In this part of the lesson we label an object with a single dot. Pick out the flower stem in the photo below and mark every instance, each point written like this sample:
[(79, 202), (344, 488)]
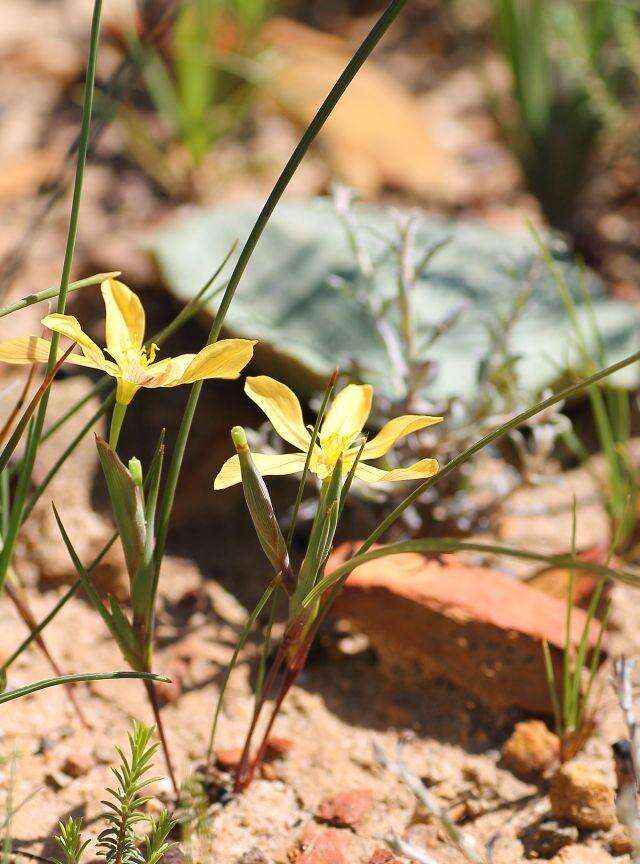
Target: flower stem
[(152, 693), (117, 417)]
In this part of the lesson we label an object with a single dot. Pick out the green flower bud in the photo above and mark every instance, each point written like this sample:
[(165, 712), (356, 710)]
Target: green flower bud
[(135, 469), (261, 510)]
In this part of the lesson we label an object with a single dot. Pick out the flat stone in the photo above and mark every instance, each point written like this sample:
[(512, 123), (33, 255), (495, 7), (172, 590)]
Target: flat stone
[(474, 626), (229, 759)]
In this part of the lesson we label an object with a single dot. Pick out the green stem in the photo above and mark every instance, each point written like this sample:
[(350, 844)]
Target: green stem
[(323, 113), (77, 679), (117, 417), (38, 422)]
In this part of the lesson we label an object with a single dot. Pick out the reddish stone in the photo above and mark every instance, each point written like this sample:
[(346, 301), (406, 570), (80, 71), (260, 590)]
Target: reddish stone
[(229, 759), (77, 764), (328, 846), (170, 691), (347, 809), (277, 746), (474, 626), (383, 856)]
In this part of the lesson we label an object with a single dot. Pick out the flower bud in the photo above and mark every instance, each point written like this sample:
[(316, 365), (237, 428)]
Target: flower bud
[(135, 469), (261, 510)]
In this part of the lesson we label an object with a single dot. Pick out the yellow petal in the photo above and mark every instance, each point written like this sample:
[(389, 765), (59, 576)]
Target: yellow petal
[(224, 359), (397, 428), (125, 321), (32, 349), (418, 471), (348, 412), (281, 406), (69, 326), (268, 464)]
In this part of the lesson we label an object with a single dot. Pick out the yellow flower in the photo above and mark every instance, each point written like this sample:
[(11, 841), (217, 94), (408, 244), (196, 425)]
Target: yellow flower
[(131, 365), (337, 436)]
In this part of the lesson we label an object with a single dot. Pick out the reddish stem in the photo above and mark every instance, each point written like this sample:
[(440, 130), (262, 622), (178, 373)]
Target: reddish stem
[(155, 705), (268, 683), (246, 778)]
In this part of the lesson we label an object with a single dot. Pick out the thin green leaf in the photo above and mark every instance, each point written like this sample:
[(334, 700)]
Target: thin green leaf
[(79, 678), (92, 594), (443, 545), (490, 438), (50, 293), (251, 620)]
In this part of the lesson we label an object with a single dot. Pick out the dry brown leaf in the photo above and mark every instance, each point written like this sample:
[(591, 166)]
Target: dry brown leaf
[(22, 175), (377, 136)]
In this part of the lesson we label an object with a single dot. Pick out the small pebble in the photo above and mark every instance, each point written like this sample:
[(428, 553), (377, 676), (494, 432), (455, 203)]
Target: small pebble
[(77, 764)]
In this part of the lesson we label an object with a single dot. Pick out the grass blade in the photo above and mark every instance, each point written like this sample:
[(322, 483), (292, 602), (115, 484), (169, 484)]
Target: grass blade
[(49, 293), (251, 620), (444, 545), (491, 437), (78, 679), (38, 422), (37, 630)]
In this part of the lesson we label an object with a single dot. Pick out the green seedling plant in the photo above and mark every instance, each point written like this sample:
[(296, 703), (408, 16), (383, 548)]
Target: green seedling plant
[(571, 697), (569, 82), (202, 86), (118, 843)]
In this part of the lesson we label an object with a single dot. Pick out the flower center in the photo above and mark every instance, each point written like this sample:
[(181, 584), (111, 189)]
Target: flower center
[(133, 363), (333, 446)]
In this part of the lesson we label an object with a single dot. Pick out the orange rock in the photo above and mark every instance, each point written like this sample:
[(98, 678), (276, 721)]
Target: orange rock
[(474, 626), (229, 759), (383, 856), (277, 746), (531, 749), (324, 847), (581, 794), (346, 809)]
